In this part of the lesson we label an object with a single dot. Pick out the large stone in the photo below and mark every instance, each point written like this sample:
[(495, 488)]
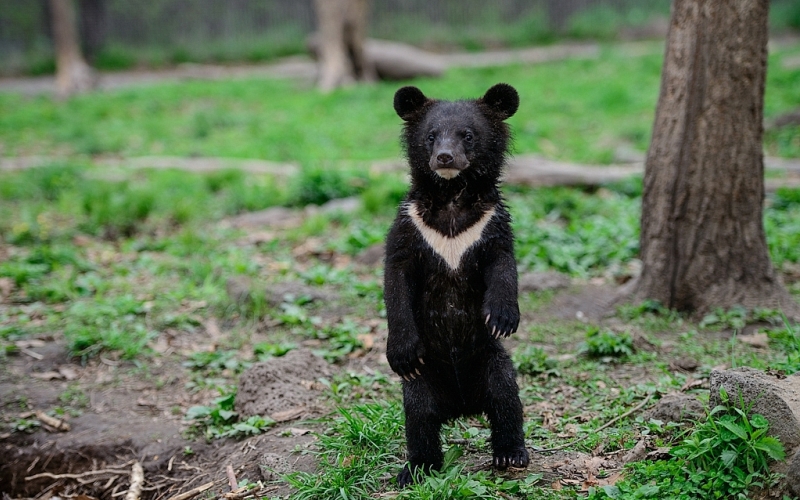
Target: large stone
[(778, 399)]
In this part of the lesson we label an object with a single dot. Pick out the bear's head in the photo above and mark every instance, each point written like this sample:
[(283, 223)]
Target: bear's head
[(445, 140)]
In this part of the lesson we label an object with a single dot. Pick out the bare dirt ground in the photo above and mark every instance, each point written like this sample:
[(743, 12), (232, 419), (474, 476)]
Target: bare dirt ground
[(119, 412)]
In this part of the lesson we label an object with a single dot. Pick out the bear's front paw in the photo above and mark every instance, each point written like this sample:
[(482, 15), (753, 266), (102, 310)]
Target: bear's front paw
[(512, 458), (407, 360), (501, 319)]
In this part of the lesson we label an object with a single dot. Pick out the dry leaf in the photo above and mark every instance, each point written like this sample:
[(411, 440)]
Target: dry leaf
[(691, 384), (549, 421), (212, 328), (638, 452), (593, 465), (589, 482), (299, 432), (27, 344), (259, 237), (570, 430), (6, 287), (610, 480), (290, 414), (367, 339), (661, 453), (48, 375), (68, 372), (757, 340)]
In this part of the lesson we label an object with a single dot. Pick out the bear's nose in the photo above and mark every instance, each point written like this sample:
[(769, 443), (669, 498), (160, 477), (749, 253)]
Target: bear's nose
[(444, 158)]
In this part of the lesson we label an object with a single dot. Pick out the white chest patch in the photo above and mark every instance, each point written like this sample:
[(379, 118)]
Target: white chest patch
[(451, 249)]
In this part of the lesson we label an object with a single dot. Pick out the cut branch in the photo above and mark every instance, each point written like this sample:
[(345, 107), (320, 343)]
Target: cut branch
[(137, 480), (193, 492)]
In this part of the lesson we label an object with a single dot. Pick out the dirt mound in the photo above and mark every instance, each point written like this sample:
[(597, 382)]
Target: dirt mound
[(282, 387)]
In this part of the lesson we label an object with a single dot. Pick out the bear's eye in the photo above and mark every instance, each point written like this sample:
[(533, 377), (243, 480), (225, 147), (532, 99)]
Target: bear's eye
[(468, 136), (431, 137)]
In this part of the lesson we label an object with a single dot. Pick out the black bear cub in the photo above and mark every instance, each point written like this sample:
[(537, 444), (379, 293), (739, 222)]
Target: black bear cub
[(450, 283)]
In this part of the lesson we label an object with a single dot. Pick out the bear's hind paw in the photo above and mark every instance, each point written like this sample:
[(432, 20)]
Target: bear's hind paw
[(512, 458)]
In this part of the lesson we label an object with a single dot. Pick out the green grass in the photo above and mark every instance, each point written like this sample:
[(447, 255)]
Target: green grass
[(570, 110), (116, 292)]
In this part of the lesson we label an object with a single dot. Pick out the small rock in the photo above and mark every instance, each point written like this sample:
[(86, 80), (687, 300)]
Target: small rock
[(372, 256), (684, 364), (273, 466), (541, 281), (676, 407)]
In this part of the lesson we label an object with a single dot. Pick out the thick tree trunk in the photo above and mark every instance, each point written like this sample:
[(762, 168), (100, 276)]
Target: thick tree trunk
[(342, 31), (702, 242), (72, 73)]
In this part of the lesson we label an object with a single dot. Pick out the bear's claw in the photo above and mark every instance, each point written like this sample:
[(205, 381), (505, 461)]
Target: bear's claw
[(513, 458)]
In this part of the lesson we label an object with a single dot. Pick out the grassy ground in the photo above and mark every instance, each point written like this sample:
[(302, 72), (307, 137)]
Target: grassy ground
[(112, 265), (571, 110)]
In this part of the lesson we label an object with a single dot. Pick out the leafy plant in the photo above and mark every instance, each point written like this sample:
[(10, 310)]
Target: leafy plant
[(214, 362), (266, 350), (532, 360), (340, 339), (220, 420), (27, 425), (318, 185), (722, 457), (607, 343), (734, 318)]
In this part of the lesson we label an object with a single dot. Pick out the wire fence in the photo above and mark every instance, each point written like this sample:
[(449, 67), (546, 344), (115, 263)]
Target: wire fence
[(121, 33)]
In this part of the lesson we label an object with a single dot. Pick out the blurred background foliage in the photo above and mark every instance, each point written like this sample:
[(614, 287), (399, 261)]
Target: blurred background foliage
[(119, 34)]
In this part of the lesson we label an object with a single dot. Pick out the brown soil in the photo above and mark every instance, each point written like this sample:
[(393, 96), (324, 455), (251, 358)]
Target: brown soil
[(120, 413), (126, 414)]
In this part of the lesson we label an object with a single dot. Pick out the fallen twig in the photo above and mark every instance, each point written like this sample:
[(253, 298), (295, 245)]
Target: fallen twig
[(76, 476), (231, 478), (35, 355), (53, 422), (244, 492), (607, 424), (193, 492), (137, 479)]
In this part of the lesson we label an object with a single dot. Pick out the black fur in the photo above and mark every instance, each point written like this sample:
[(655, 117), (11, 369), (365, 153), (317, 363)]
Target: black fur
[(445, 324)]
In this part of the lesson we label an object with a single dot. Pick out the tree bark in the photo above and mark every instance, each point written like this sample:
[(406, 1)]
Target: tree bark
[(72, 73), (342, 31), (702, 242)]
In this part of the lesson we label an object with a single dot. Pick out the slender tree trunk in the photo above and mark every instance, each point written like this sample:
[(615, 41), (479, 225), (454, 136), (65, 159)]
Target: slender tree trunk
[(342, 27), (72, 73), (702, 242)]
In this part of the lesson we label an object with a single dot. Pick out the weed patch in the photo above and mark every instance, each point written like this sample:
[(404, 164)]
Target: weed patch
[(220, 420), (724, 456)]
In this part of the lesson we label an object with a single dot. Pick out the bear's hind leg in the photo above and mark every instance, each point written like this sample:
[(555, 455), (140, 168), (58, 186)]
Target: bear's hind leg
[(504, 410), (423, 427)]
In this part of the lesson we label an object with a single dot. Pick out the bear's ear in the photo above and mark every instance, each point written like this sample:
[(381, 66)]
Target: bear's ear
[(407, 101), (502, 99)]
